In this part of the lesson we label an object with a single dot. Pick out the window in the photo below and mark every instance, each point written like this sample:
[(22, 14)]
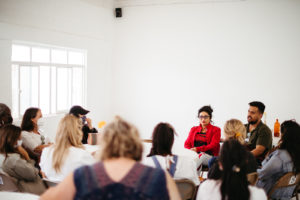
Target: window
[(51, 78)]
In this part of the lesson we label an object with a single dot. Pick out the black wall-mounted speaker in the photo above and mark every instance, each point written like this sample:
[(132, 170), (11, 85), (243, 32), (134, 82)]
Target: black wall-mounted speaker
[(118, 12)]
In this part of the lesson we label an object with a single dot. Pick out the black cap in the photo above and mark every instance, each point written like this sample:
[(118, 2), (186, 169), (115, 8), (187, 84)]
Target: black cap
[(78, 110)]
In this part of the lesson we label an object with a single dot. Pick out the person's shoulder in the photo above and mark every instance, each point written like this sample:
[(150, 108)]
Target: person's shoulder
[(151, 170), (257, 193), (77, 149), (85, 170), (26, 133), (209, 184), (147, 161), (283, 154), (216, 128), (195, 128), (78, 152), (264, 127), (48, 150)]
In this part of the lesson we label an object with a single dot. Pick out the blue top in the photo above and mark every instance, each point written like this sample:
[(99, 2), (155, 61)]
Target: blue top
[(274, 166), (172, 167), (141, 182)]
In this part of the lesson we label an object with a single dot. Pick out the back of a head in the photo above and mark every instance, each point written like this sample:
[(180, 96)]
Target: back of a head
[(233, 163), (69, 131), (162, 140), (68, 134), (5, 115), (120, 139), (235, 129), (290, 140), (261, 107), (9, 134), (27, 124)]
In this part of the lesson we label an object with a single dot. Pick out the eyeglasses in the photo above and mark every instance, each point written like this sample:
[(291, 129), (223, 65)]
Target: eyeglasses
[(203, 117)]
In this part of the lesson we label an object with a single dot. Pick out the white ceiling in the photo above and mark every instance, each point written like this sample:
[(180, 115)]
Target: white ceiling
[(131, 3)]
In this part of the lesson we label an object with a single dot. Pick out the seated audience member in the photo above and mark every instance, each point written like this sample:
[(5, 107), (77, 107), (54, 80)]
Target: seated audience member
[(259, 135), (284, 159), (160, 156), (233, 184), (234, 129), (118, 175), (205, 138), (87, 127), (32, 137), (5, 115), (67, 153), (17, 163), (6, 118)]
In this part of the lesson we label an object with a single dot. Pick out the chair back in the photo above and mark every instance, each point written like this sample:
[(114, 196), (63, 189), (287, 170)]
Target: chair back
[(186, 188), (252, 178), (8, 183), (147, 140), (287, 180), (93, 138)]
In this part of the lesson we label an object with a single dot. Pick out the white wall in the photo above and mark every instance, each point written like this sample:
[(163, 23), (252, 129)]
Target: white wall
[(85, 24), (170, 60)]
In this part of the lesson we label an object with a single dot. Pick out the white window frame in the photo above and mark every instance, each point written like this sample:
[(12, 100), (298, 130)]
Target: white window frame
[(31, 63)]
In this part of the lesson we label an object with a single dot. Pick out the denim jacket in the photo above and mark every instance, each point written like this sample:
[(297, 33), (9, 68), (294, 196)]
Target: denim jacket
[(274, 166)]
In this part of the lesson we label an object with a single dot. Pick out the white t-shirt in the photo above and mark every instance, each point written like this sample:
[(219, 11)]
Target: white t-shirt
[(76, 157), (186, 167), (32, 140), (210, 189), (2, 158)]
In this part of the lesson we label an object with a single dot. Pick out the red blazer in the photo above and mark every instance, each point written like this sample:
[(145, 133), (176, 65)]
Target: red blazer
[(213, 135)]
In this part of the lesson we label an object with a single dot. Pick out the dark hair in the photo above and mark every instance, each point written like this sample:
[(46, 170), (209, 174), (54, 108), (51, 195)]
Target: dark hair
[(234, 175), (27, 123), (290, 140), (78, 110), (261, 107), (206, 109), (162, 140), (5, 115), (9, 134)]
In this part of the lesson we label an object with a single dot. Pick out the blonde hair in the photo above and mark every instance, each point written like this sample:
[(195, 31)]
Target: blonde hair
[(120, 139), (68, 134), (234, 128)]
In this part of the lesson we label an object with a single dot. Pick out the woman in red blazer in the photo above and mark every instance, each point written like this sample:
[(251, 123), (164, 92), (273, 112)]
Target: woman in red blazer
[(205, 138)]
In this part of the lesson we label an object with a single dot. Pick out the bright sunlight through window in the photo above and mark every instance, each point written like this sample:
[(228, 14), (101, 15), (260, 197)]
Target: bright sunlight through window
[(51, 78)]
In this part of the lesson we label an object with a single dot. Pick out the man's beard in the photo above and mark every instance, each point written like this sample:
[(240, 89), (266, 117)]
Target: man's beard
[(253, 122)]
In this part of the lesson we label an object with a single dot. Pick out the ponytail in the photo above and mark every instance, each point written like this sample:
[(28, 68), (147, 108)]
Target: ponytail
[(234, 176)]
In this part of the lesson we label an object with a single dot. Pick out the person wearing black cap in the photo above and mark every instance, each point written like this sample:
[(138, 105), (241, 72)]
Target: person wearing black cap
[(87, 127)]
